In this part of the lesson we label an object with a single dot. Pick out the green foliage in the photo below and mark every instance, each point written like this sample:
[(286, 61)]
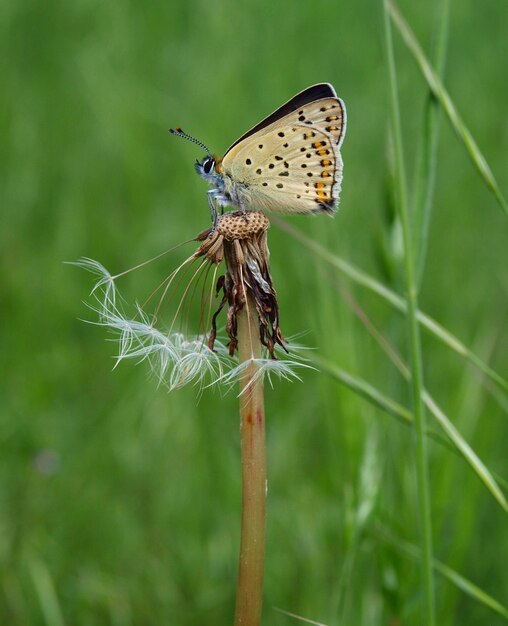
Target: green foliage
[(119, 502)]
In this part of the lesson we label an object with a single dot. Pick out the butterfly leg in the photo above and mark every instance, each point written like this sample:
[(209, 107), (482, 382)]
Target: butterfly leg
[(212, 203), (244, 214), (239, 204)]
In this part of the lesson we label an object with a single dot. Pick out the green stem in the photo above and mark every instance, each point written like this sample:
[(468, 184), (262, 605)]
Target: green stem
[(416, 357), (249, 598), (427, 156), (448, 105)]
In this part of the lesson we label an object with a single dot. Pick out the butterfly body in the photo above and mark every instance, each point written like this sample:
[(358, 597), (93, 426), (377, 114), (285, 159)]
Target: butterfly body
[(289, 163)]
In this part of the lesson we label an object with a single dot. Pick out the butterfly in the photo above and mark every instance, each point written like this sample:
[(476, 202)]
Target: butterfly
[(288, 163)]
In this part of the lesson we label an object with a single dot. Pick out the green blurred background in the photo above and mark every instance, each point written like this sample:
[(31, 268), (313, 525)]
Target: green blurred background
[(120, 503)]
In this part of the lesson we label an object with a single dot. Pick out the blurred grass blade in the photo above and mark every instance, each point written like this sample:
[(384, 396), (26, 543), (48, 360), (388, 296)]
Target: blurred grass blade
[(393, 408), (415, 346), (365, 390), (375, 397), (299, 617), (454, 577), (447, 104), (46, 593), (501, 481), (454, 438), (427, 153), (446, 337), (365, 280), (466, 451)]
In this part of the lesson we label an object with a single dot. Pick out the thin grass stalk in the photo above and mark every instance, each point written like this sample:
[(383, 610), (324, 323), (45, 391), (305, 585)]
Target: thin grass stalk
[(414, 332), (458, 444), (454, 442), (462, 583), (434, 82), (427, 154), (363, 279), (46, 592), (249, 598)]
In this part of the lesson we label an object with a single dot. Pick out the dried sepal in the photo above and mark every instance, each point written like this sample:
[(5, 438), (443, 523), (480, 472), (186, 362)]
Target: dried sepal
[(241, 239)]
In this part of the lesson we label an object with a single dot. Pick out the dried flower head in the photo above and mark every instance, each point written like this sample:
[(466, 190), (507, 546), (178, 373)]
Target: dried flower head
[(239, 242), (243, 245)]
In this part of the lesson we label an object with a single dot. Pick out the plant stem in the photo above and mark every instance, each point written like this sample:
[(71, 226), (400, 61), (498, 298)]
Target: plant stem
[(448, 105), (427, 155), (414, 333), (249, 598)]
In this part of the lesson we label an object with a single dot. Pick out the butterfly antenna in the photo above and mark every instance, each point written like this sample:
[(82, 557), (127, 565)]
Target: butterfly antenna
[(179, 133)]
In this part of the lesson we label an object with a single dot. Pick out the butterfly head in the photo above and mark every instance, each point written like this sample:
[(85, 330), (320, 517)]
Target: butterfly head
[(208, 167)]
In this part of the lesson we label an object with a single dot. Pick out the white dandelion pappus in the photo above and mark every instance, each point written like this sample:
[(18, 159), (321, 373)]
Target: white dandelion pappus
[(174, 359), (177, 358), (284, 369)]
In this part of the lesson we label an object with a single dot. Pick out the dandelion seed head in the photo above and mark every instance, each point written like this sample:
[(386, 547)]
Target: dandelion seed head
[(176, 358)]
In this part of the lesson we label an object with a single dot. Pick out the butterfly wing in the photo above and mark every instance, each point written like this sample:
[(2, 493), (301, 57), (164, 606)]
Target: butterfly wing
[(290, 164), (299, 172), (310, 95)]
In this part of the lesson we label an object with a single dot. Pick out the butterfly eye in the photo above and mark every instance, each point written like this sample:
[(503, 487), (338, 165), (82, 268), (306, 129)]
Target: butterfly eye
[(208, 165)]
